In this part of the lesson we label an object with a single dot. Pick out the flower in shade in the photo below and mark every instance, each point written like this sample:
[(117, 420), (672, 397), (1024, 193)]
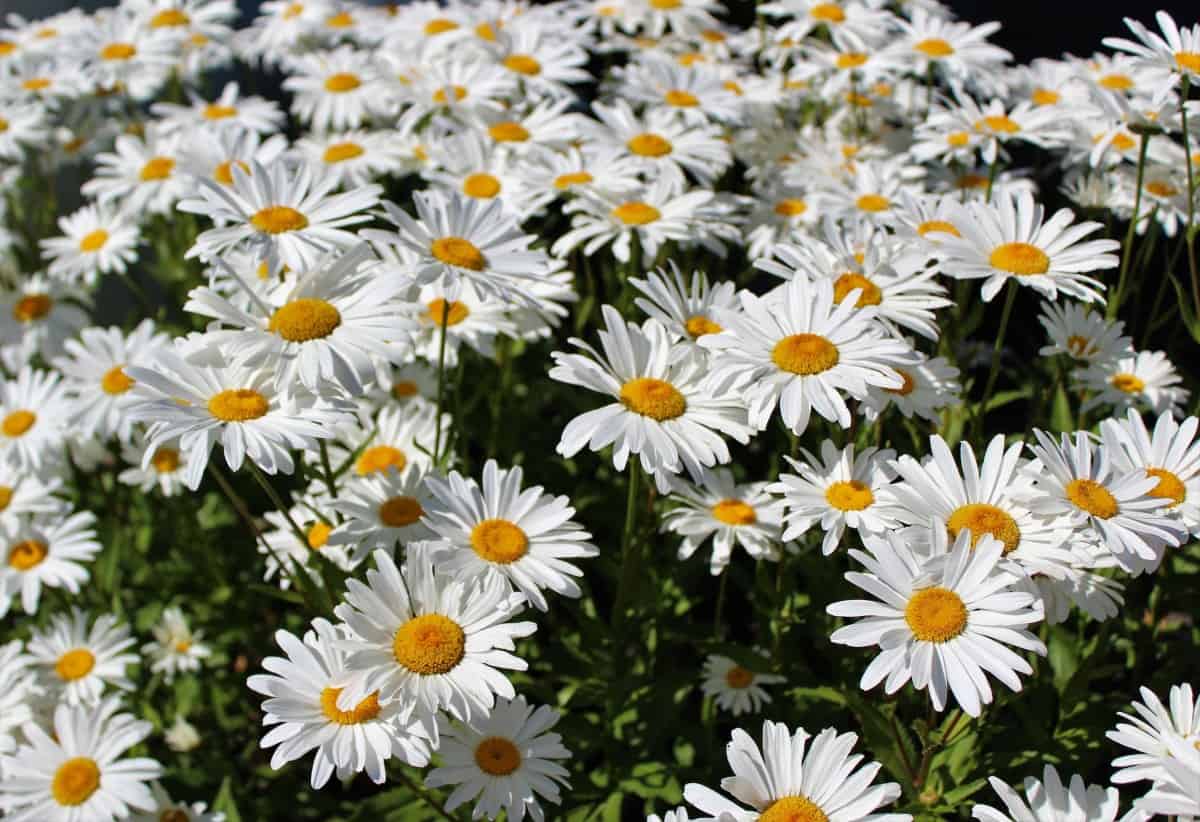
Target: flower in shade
[(44, 552), (77, 661), (731, 515), (1049, 800), (1133, 379), (735, 688)]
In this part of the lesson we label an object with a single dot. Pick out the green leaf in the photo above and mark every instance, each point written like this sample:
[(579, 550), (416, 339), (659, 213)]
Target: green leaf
[(224, 801), (1061, 418)]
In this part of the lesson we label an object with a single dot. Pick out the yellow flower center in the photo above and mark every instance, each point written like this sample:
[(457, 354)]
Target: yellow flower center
[(116, 381), (165, 460), (118, 51), (454, 314), (439, 25), (656, 399), (380, 458), (484, 31), (793, 809), (157, 168), (216, 111), (169, 18), (827, 13), (936, 614), (238, 405), (1188, 61), (934, 47), (18, 422), (1169, 486), (305, 319), (805, 354), (482, 186), (32, 307), (873, 202), (1123, 142), (680, 98), (341, 82), (223, 173), (318, 535), (1092, 497), (700, 325), (75, 664), (635, 212), (649, 145), (981, 518), (429, 644), (1160, 188), (958, 139), (1045, 97), (852, 59), (93, 241), (6, 495), (970, 180), (404, 389), (1129, 383), (35, 84), (26, 554), (931, 226), (401, 511), (871, 295), (998, 123), (508, 132), (183, 646), (790, 207), (734, 512), (497, 756), (293, 11), (1022, 259), (500, 541), (565, 181), (738, 677), (364, 711), (341, 20), (7, 47), (440, 97), (523, 64), (908, 386), (75, 781), (278, 219), (458, 252), (340, 152), (849, 495), (1080, 346)]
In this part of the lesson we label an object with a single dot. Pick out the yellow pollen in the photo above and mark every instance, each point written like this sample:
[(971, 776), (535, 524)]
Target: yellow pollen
[(805, 354), (238, 405), (27, 553), (732, 85), (907, 387), (404, 389), (1169, 486), (437, 309), (665, 5), (1188, 61), (74, 664), (118, 51), (429, 644), (873, 202), (157, 168), (508, 132), (278, 219), (849, 495), (35, 84), (700, 325), (223, 173), (1080, 346), (1045, 97), (216, 111), (1092, 497), (380, 458), (165, 460), (364, 711), (936, 614), (116, 381), (7, 47), (1160, 189), (649, 145), (565, 181), (828, 13), (793, 809), (681, 99), (169, 18), (958, 139), (712, 36), (931, 226), (75, 781), (338, 152), (439, 25), (305, 319), (790, 207), (401, 511), (523, 64), (293, 11), (871, 295), (1022, 259), (18, 422), (969, 180), (183, 646), (318, 535), (734, 512), (499, 541), (934, 47), (635, 212), (656, 399), (497, 756), (1123, 142), (998, 123), (481, 186), (1116, 82), (851, 59), (6, 495), (981, 518), (342, 82), (1129, 383), (197, 39), (738, 677), (458, 252), (484, 31), (441, 98), (32, 307), (341, 20)]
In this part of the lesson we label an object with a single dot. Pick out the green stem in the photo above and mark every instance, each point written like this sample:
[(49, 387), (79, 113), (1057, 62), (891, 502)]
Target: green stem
[(992, 175), (628, 543), (718, 626), (894, 726), (1190, 236), (277, 501), (1127, 252), (1010, 297), (327, 467), (428, 798), (441, 380)]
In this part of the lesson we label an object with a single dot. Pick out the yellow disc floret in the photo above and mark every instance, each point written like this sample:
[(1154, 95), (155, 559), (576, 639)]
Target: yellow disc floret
[(1092, 497), (849, 495), (278, 219), (936, 614), (305, 319), (734, 512), (429, 644), (116, 381), (497, 756), (793, 809), (75, 781), (18, 422), (653, 398), (982, 518), (380, 458), (400, 511), (26, 554), (458, 252), (75, 664), (636, 212), (1022, 259), (805, 354), (238, 405), (500, 541), (364, 711)]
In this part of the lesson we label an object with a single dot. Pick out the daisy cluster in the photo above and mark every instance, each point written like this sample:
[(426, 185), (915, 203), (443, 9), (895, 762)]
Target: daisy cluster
[(458, 183)]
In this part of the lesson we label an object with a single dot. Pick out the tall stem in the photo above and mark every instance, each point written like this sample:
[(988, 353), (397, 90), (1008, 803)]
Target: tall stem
[(441, 380), (425, 796), (628, 565), (277, 501), (1010, 297), (1190, 236), (1127, 252), (327, 468), (718, 625)]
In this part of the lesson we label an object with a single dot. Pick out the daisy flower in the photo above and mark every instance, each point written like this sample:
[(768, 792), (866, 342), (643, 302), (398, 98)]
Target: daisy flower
[(798, 349), (76, 771), (411, 383), (381, 509), (460, 87), (428, 639), (1171, 455), (845, 21), (525, 536), (469, 164), (121, 52), (182, 737), (959, 49), (795, 775), (1179, 794), (1051, 801), (16, 687), (463, 318), (697, 94), (930, 385), (40, 316), (286, 216), (676, 815), (942, 620), (24, 127), (229, 109), (176, 647), (1175, 51), (204, 402), (1080, 481), (398, 437), (1148, 734), (1134, 379), (354, 157), (25, 493), (141, 174), (873, 192), (539, 59), (686, 309), (168, 810), (164, 470), (284, 546), (1081, 333), (212, 153), (45, 552), (96, 239), (662, 410), (731, 515), (734, 688), (334, 90), (838, 490), (1010, 239), (507, 760), (76, 662), (302, 710), (780, 214), (34, 410)]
